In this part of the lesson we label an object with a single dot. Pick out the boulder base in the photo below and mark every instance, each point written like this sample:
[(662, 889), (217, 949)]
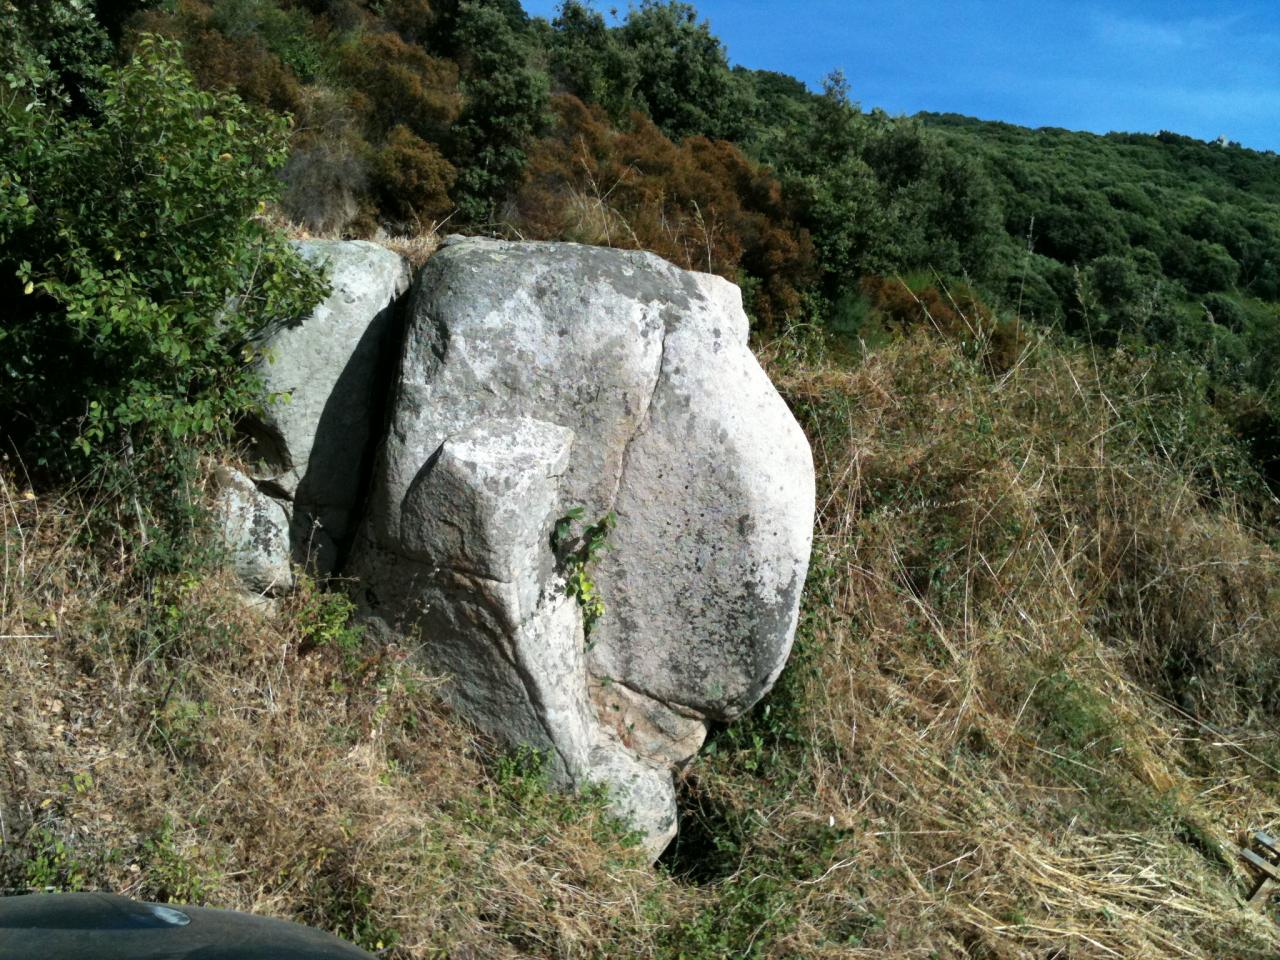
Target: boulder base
[(255, 530)]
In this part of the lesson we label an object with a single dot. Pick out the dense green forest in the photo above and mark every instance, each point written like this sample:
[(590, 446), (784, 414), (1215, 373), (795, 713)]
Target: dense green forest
[(1035, 687)]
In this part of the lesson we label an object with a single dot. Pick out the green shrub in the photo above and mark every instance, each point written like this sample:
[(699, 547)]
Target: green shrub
[(506, 100), (139, 278), (285, 33), (62, 37), (52, 864), (324, 619), (576, 555), (682, 73)]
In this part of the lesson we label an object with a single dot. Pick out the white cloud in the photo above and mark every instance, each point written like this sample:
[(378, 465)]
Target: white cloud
[(1150, 35)]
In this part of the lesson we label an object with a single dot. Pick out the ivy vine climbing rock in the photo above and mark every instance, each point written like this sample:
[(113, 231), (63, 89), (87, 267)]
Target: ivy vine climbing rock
[(538, 379)]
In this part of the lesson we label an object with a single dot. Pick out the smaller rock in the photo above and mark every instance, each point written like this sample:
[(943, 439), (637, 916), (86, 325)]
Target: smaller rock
[(316, 447), (641, 794), (255, 529)]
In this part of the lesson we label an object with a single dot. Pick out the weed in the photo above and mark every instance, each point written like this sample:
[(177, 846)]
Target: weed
[(350, 913), (53, 864), (324, 620), (181, 725), (173, 876), (576, 554)]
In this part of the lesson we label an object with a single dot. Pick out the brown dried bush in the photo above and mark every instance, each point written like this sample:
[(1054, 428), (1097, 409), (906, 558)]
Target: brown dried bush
[(954, 311), (412, 19), (402, 85), (700, 204), (325, 183), (327, 177), (413, 178), (243, 65)]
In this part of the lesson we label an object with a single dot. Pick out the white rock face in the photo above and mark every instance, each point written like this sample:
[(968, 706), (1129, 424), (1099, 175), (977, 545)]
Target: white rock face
[(715, 524), (472, 580), (540, 378), (314, 449)]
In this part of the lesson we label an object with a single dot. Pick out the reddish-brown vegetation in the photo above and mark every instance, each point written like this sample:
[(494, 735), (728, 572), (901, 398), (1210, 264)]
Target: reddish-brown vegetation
[(955, 312), (413, 177), (401, 84), (700, 203), (243, 65)]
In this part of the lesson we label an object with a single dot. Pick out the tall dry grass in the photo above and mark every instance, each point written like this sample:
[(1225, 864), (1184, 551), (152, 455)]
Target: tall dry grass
[(170, 743), (1036, 700), (415, 245)]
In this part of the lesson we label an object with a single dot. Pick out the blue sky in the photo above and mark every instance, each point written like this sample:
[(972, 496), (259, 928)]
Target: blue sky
[(1201, 69)]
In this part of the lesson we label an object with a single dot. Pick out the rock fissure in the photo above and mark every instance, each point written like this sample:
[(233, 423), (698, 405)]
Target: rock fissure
[(317, 449), (670, 703), (678, 708), (641, 422), (273, 490)]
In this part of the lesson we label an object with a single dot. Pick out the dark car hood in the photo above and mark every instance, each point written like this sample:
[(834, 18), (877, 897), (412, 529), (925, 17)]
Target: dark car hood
[(103, 926)]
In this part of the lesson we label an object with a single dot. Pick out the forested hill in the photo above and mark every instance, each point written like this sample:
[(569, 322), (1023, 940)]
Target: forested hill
[(1209, 212), (410, 115)]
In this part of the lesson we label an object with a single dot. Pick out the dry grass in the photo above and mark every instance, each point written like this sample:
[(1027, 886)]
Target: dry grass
[(1034, 697), (417, 248), (176, 745), (416, 245), (1010, 590)]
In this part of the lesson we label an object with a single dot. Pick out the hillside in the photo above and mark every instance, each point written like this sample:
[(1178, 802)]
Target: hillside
[(410, 114), (1034, 695), (1177, 239), (1032, 701)]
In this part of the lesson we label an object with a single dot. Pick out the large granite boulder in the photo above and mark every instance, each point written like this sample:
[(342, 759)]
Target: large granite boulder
[(543, 380), (313, 448)]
